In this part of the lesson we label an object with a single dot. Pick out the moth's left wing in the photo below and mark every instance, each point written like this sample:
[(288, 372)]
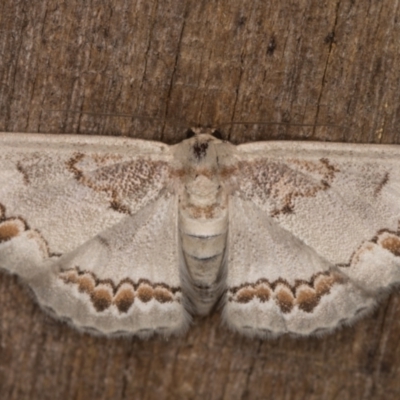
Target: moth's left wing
[(314, 235), (90, 223)]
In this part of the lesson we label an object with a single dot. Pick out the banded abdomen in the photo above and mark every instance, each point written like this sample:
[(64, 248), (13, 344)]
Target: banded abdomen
[(203, 223)]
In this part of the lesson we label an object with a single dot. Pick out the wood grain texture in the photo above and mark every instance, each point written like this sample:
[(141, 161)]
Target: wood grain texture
[(199, 62)]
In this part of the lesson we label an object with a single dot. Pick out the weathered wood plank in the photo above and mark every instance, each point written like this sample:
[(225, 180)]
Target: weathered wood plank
[(183, 62)]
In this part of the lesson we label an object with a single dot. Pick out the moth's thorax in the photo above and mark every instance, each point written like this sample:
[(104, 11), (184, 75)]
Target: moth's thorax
[(203, 221), (202, 191), (203, 207)]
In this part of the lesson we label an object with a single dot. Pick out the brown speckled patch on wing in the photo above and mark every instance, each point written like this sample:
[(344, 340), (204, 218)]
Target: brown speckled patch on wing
[(123, 181), (104, 293), (282, 182), (304, 294)]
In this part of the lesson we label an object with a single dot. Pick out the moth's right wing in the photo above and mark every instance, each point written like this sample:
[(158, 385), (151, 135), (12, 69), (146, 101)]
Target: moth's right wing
[(314, 235)]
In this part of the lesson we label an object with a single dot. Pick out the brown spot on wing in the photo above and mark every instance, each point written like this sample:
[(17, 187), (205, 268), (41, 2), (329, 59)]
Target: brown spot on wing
[(104, 293), (11, 228), (86, 283), (307, 298), (324, 282), (263, 291), (391, 242), (246, 294), (305, 294), (284, 297), (102, 296), (124, 297), (162, 295), (70, 276), (145, 292)]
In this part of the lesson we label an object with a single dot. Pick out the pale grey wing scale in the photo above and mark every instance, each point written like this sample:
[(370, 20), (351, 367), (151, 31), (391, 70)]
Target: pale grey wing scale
[(321, 224), (89, 200)]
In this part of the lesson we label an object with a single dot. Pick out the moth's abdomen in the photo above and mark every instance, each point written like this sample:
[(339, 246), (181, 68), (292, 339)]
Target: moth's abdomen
[(203, 237), (204, 247)]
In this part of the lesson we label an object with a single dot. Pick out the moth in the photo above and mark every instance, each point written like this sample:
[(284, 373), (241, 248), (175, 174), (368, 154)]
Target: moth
[(122, 236)]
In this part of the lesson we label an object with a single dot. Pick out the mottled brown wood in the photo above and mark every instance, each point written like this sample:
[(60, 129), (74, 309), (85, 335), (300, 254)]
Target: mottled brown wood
[(180, 63)]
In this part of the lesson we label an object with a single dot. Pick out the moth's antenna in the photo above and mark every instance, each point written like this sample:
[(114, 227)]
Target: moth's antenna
[(103, 114), (133, 116), (276, 123)]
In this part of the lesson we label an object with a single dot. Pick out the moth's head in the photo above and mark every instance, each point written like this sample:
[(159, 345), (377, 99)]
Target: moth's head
[(201, 143), (201, 149)]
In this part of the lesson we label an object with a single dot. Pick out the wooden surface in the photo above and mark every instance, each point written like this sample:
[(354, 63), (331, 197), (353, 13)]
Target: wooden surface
[(180, 63)]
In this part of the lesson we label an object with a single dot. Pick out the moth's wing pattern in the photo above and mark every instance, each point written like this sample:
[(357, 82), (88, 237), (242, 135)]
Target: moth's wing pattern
[(91, 225), (314, 235)]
